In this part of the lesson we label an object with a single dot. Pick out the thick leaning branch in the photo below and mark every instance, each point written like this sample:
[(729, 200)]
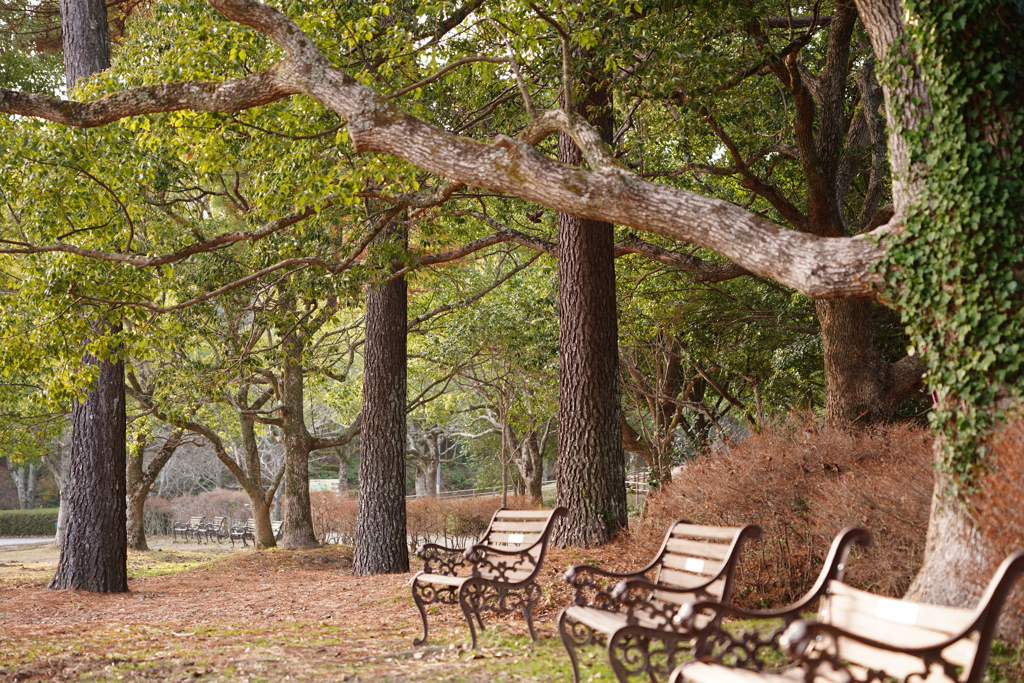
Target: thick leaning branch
[(818, 267)]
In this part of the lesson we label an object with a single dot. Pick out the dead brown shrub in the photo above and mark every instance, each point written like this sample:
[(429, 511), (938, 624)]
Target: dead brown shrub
[(210, 504), (449, 521), (803, 483), (1000, 506)]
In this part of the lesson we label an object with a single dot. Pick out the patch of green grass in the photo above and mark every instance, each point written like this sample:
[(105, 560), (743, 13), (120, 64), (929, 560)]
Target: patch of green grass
[(168, 562), (1006, 663)]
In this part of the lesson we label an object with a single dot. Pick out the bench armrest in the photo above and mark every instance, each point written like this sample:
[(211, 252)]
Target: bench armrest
[(593, 585), (439, 559), (637, 594)]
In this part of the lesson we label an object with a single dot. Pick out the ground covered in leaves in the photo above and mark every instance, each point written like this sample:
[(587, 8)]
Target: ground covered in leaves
[(207, 613), (210, 613)]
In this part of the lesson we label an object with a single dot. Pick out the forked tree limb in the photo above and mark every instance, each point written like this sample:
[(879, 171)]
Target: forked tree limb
[(819, 267)]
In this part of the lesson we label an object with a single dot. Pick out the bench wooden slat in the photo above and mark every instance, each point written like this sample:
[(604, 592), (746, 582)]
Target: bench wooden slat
[(943, 621), (519, 527), (702, 672), (895, 664), (715, 589), (692, 565), (516, 540), (716, 551), (523, 514), (687, 579), (722, 533)]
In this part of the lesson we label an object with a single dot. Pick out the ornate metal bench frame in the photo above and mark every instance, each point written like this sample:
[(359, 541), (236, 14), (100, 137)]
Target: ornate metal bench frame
[(630, 612), (495, 578), (819, 651)]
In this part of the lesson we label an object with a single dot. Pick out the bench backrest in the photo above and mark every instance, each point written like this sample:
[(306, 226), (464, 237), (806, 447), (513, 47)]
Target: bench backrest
[(518, 530), (196, 521), (694, 554), (961, 638), (898, 622)]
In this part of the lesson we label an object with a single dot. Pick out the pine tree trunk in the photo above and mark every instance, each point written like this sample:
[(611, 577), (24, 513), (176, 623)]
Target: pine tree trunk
[(83, 25), (94, 553), (381, 546), (592, 463), (298, 515)]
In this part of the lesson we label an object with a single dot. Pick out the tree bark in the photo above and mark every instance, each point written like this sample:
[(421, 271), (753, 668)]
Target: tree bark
[(25, 482), (94, 554), (592, 470), (83, 25), (531, 466), (860, 386), (252, 478), (298, 515), (381, 545), (138, 483)]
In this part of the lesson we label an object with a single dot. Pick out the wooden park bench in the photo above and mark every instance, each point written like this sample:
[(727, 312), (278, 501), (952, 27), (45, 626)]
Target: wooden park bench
[(243, 532), (277, 528), (186, 529), (217, 530), (634, 614), (498, 574), (858, 637)]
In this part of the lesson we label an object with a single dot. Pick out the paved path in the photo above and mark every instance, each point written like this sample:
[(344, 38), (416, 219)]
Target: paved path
[(24, 541)]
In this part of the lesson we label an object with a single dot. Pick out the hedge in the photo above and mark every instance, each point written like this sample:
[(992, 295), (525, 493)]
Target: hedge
[(41, 522)]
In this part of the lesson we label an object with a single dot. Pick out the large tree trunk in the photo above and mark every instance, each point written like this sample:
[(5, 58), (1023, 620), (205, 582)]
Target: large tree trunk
[(83, 25), (298, 516), (381, 546), (591, 469), (94, 554), (859, 385)]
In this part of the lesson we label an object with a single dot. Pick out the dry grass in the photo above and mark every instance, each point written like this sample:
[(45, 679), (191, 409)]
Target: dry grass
[(804, 483)]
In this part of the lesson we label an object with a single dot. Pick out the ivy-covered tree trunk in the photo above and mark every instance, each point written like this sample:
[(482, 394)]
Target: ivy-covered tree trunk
[(381, 545), (591, 463), (953, 74), (94, 554)]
